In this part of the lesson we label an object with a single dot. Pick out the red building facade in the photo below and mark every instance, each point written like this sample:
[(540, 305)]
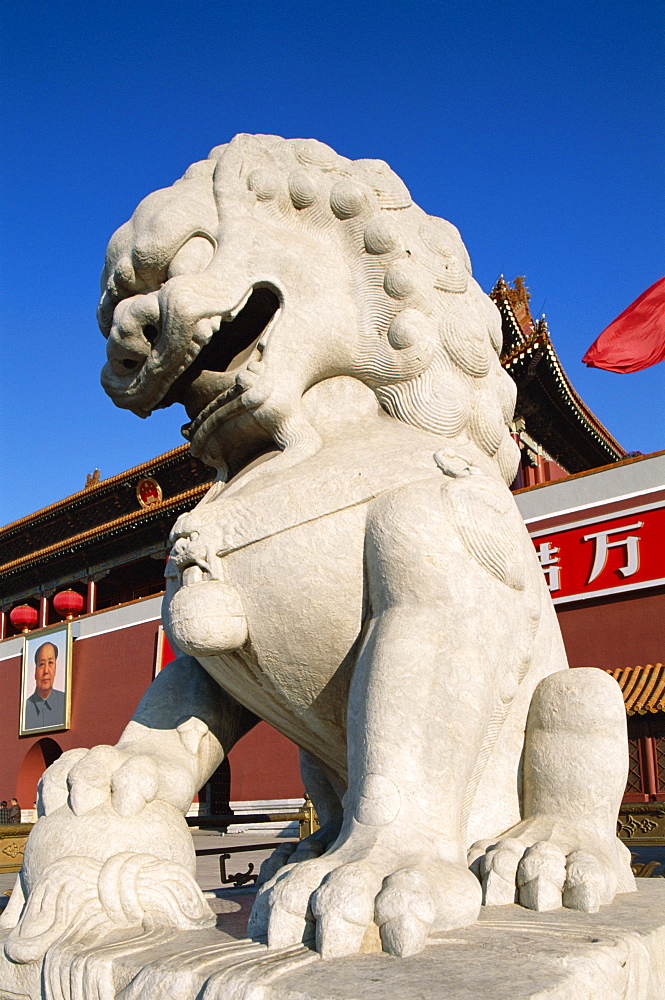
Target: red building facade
[(600, 540), (596, 519)]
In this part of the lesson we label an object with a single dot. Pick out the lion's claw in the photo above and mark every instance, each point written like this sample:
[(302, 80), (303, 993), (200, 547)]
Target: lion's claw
[(541, 875), (344, 906), (53, 790), (286, 928), (498, 870), (588, 883), (405, 912), (404, 935), (289, 853), (362, 900), (549, 872), (274, 864), (133, 785), (307, 849), (288, 906), (89, 779)]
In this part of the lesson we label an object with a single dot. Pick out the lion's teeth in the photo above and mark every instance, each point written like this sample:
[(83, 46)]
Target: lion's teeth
[(245, 380), (241, 305)]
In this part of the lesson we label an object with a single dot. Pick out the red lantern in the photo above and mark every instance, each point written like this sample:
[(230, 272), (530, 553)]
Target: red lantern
[(68, 603), (23, 617)]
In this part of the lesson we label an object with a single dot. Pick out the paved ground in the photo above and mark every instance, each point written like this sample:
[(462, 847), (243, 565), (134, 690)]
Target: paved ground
[(207, 867)]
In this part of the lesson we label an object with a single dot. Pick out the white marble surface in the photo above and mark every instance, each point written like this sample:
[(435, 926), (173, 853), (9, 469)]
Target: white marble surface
[(359, 576), (509, 954)]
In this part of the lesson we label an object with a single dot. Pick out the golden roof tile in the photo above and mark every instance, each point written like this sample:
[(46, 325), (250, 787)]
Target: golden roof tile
[(108, 527), (643, 688)]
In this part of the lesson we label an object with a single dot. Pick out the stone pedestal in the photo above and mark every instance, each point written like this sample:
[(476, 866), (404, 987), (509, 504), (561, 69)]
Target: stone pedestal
[(510, 954)]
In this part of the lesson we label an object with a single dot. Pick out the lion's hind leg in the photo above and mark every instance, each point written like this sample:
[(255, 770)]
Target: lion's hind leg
[(565, 850)]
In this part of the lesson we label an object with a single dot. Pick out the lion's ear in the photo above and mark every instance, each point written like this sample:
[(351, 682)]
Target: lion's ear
[(237, 159)]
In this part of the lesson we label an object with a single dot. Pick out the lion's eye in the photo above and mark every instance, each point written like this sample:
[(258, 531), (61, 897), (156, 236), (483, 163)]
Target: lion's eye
[(191, 258)]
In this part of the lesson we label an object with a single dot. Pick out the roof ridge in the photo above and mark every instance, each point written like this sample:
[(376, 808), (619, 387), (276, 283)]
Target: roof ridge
[(107, 526), (88, 491), (502, 296)]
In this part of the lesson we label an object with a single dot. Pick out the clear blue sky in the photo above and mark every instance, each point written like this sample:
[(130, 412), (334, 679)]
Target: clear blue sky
[(537, 128)]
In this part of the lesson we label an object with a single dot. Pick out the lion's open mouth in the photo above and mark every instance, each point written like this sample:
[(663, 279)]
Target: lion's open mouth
[(209, 383)]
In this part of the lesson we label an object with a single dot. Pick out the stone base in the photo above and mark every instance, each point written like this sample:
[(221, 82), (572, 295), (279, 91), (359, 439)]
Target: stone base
[(510, 954)]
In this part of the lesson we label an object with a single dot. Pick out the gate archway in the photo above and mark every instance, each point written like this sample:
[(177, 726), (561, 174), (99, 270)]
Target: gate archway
[(40, 755)]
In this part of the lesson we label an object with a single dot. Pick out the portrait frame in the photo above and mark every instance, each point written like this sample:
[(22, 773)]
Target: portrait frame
[(163, 652), (60, 636)]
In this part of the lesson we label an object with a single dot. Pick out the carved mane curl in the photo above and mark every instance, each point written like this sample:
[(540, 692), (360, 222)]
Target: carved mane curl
[(429, 336)]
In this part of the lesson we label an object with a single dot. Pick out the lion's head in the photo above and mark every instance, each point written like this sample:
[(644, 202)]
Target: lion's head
[(276, 264)]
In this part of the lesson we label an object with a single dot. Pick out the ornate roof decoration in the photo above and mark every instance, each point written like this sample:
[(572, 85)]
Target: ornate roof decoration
[(555, 414), (99, 527), (643, 688)]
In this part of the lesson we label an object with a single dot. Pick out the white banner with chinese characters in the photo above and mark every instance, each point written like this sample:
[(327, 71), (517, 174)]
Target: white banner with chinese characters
[(604, 555)]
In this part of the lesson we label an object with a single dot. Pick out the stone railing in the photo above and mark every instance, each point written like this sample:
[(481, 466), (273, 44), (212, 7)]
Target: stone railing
[(642, 824), (12, 845)]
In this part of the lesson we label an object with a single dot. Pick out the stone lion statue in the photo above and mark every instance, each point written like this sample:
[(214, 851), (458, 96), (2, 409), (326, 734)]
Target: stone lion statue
[(358, 576)]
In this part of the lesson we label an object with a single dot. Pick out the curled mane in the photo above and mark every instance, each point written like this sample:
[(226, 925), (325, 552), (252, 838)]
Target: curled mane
[(430, 337)]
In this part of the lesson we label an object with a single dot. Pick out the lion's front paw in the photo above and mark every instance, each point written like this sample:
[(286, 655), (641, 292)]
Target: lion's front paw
[(97, 872), (149, 765), (290, 853), (81, 898), (361, 901), (544, 865), (84, 779)]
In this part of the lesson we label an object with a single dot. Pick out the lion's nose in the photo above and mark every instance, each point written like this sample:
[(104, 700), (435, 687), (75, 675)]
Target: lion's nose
[(126, 352), (134, 331), (184, 528)]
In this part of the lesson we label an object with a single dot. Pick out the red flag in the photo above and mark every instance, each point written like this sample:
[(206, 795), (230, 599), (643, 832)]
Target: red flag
[(636, 338)]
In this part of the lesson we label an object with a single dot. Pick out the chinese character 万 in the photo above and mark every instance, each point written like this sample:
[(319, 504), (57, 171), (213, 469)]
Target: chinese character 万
[(602, 545), (548, 557)]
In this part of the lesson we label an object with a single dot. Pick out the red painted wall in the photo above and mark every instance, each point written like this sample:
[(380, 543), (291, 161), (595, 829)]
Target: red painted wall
[(11, 750), (110, 673), (42, 753), (264, 765), (615, 633)]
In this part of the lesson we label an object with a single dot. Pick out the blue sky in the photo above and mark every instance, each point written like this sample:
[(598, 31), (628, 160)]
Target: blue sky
[(537, 128)]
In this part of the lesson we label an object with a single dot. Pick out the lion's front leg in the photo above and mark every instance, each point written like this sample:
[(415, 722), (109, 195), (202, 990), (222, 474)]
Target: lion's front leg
[(179, 734), (442, 635), (112, 827)]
